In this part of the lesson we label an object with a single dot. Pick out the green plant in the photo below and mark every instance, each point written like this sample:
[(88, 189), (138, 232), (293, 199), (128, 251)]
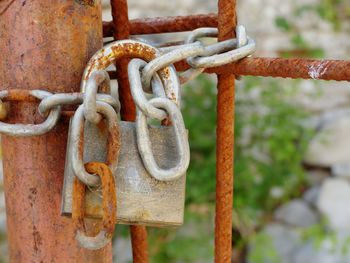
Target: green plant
[(263, 250), (274, 142), (276, 133)]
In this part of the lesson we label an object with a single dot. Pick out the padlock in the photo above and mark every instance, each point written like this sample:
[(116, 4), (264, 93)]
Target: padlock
[(141, 198)]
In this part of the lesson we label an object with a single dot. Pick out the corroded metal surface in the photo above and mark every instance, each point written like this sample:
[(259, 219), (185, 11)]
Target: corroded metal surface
[(141, 199), (77, 141), (289, 68), (225, 142), (295, 68), (119, 50), (165, 24), (44, 44), (109, 206)]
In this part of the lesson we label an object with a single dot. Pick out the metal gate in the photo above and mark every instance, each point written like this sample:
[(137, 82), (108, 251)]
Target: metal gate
[(35, 197)]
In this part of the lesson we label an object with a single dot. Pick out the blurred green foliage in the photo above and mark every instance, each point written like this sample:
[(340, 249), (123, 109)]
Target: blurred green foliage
[(270, 143), (271, 139), (264, 250)]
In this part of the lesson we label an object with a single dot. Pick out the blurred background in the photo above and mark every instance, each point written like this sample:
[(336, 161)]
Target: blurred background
[(292, 152)]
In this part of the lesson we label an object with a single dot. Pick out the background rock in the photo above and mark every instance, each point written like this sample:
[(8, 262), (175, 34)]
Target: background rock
[(122, 252), (341, 170), (333, 203), (310, 253), (316, 176), (331, 145), (284, 241), (311, 195), (296, 213)]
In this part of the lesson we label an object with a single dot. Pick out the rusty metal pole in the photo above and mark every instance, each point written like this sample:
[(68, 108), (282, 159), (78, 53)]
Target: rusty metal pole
[(128, 112), (45, 45), (225, 142)]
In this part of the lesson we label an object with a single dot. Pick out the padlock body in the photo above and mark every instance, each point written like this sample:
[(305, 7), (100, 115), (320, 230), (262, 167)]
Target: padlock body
[(141, 199)]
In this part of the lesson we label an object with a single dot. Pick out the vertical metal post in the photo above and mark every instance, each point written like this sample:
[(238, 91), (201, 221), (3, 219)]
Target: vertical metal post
[(44, 45), (225, 142), (128, 113)]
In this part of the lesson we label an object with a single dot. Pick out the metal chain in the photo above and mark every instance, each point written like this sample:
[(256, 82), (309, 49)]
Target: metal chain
[(26, 130), (77, 130), (137, 93), (97, 79), (109, 207), (144, 142), (49, 107), (194, 51), (156, 76)]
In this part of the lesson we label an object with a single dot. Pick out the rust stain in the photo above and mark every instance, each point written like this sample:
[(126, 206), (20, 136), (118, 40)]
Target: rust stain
[(86, 2), (113, 143), (37, 240), (227, 21), (109, 201), (39, 54), (169, 24), (142, 215)]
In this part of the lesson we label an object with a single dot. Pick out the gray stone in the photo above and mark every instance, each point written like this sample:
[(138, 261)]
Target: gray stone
[(296, 213), (316, 177), (331, 145), (333, 202), (331, 116), (341, 170), (4, 257), (309, 253), (326, 97), (2, 213), (311, 195), (284, 242), (122, 252)]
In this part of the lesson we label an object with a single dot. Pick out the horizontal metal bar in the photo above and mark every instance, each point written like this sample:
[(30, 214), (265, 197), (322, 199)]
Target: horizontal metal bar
[(284, 68), (169, 24)]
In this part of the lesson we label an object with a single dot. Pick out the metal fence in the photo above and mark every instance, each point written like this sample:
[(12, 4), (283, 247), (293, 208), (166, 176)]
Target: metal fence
[(121, 28)]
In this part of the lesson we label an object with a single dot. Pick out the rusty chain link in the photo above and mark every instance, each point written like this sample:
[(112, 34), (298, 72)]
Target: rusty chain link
[(77, 129), (109, 207)]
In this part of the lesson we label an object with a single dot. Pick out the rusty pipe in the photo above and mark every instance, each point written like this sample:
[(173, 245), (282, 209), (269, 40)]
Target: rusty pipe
[(44, 44), (168, 24), (225, 141)]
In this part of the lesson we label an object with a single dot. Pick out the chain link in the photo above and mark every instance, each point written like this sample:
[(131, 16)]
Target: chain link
[(156, 78), (243, 47), (137, 90), (109, 207), (25, 130), (144, 143), (97, 79), (76, 137), (178, 54)]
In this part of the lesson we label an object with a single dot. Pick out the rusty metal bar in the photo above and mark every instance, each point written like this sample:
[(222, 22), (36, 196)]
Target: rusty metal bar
[(295, 68), (225, 141), (42, 50), (290, 68), (128, 112), (169, 24)]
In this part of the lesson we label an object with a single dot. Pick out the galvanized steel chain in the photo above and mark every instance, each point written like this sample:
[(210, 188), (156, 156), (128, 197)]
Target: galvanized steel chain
[(141, 74), (49, 107), (198, 56), (155, 89)]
